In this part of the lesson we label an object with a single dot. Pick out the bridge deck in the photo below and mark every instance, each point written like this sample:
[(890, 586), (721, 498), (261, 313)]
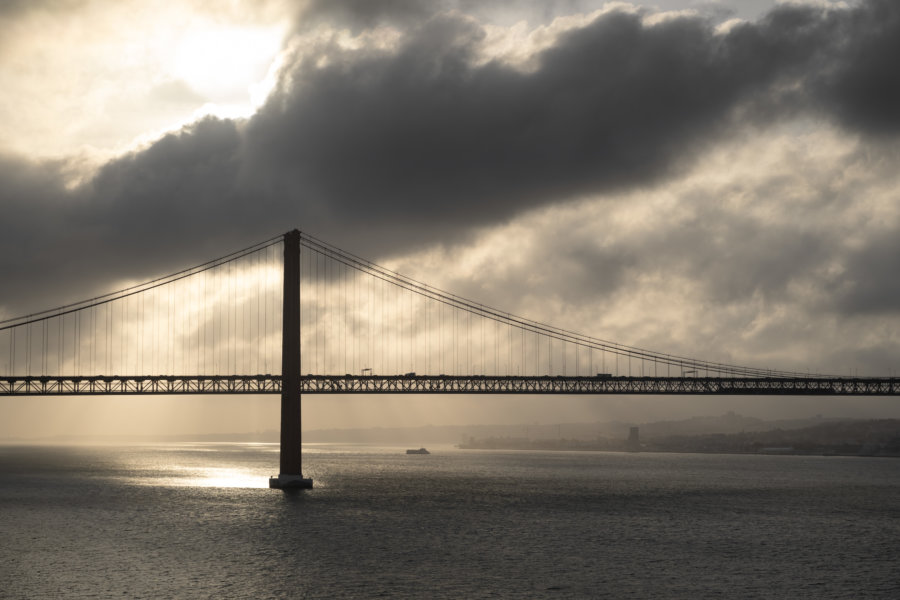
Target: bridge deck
[(448, 384)]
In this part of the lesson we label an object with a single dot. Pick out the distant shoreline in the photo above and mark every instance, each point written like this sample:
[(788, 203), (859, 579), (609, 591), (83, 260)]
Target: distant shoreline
[(879, 437), (763, 452), (729, 434)]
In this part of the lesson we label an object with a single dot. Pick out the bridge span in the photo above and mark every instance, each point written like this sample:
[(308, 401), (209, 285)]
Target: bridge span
[(451, 384), (337, 313)]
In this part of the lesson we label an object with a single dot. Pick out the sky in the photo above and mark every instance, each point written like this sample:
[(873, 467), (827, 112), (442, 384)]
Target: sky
[(715, 179)]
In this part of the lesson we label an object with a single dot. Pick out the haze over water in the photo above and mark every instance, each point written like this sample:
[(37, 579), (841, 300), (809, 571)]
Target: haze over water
[(195, 520)]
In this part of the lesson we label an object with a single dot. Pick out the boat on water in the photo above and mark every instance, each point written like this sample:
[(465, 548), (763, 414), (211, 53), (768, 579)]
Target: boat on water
[(419, 451)]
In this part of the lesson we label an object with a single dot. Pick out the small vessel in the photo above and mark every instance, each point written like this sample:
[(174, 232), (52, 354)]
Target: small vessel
[(419, 451)]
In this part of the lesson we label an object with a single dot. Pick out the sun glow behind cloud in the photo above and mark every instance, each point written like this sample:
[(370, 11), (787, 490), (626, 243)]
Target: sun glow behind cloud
[(113, 89), (226, 63)]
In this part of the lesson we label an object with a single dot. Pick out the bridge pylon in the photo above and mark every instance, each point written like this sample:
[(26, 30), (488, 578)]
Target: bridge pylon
[(290, 474)]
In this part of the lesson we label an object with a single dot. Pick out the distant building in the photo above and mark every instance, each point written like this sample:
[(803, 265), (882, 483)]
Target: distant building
[(634, 442)]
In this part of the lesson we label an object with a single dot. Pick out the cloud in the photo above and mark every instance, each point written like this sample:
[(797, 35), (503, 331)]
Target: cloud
[(360, 15), (393, 147), (427, 134), (14, 9), (776, 251), (862, 84), (139, 212), (871, 285), (31, 196), (175, 92)]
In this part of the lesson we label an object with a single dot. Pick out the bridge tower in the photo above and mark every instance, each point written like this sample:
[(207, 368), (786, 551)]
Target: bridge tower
[(290, 475)]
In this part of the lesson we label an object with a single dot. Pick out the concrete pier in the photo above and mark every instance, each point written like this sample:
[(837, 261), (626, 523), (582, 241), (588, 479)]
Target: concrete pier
[(290, 482)]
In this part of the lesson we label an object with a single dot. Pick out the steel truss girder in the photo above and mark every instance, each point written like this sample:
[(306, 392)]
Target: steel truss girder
[(147, 385), (449, 384)]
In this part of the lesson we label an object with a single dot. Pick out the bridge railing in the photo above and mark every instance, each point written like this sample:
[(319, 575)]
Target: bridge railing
[(450, 384)]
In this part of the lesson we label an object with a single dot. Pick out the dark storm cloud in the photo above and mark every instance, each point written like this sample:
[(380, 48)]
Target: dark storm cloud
[(871, 284), (432, 146), (32, 198), (384, 151), (364, 14), (862, 86), (139, 212), (422, 137)]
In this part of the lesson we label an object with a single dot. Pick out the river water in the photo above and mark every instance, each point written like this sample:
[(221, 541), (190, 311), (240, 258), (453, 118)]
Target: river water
[(198, 521)]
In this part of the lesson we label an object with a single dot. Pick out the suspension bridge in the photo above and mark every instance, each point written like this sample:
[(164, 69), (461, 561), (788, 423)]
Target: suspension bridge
[(295, 315)]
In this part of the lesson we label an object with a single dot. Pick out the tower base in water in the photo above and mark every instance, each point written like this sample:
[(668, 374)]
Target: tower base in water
[(290, 482)]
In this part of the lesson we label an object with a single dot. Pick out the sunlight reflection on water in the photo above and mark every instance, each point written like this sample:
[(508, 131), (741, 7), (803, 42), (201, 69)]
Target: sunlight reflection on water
[(213, 477), (200, 465)]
